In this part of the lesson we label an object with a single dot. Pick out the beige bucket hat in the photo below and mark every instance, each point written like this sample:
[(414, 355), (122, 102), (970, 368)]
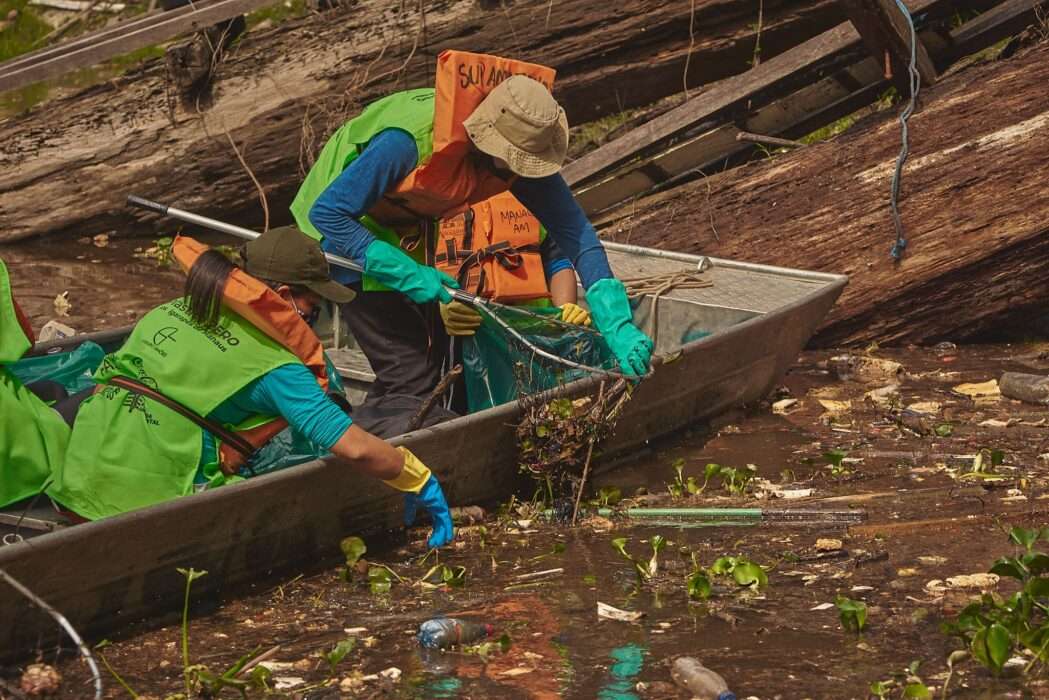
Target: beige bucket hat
[(521, 122)]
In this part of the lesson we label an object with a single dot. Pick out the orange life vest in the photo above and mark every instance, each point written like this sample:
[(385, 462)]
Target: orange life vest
[(492, 249), (266, 310), (450, 180)]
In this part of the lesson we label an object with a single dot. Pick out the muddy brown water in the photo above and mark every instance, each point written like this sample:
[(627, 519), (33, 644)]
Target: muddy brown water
[(922, 523)]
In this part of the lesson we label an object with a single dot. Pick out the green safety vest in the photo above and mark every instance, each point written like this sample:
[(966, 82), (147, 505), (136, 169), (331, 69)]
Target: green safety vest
[(33, 437), (127, 451), (412, 112)]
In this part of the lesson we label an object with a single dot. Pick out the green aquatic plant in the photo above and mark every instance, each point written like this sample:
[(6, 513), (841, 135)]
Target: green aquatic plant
[(190, 575), (851, 613), (644, 569), (337, 653), (994, 628)]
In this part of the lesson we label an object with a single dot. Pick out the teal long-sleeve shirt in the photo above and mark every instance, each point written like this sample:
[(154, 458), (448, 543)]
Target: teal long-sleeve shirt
[(289, 391)]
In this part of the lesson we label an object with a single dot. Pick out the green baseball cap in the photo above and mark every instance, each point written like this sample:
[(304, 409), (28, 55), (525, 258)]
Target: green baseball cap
[(288, 255)]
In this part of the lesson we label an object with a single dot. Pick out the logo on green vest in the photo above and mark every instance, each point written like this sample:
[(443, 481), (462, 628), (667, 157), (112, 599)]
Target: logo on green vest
[(164, 335), (218, 336)]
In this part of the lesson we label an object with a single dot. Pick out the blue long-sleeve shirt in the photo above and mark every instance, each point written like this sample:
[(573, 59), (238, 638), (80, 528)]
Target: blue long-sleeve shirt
[(391, 155)]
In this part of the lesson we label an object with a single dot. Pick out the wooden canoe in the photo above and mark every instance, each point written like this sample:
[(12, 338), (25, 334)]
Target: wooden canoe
[(107, 574)]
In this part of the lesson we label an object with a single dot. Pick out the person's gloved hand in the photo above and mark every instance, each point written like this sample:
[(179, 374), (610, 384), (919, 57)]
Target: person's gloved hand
[(460, 319), (395, 269), (431, 497), (421, 488), (612, 315), (571, 313)]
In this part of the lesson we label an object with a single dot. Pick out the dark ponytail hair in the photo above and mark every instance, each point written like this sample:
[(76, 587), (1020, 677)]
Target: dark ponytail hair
[(205, 286)]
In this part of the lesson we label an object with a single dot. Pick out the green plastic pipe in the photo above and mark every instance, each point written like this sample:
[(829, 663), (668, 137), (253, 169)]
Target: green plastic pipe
[(695, 513), (725, 513)]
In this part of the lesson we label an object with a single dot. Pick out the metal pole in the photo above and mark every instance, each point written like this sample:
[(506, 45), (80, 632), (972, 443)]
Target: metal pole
[(458, 294)]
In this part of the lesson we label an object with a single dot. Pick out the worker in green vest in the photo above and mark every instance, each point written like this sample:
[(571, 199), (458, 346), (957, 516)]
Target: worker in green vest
[(33, 437), (420, 155), (204, 379)]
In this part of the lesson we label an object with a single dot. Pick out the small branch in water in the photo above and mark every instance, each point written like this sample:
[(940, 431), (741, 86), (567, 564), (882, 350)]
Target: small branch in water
[(438, 392), (64, 623)]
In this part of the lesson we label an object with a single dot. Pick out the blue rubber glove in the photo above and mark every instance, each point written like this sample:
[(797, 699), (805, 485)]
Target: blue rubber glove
[(395, 269), (610, 309), (431, 497)]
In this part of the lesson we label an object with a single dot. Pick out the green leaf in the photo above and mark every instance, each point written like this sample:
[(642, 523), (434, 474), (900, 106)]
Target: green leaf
[(699, 586), (1037, 587), (944, 429), (723, 565), (999, 645), (692, 486), (619, 544), (991, 646), (852, 613), (192, 574), (542, 431), (353, 548), (658, 542), (454, 576), (379, 580), (609, 495), (1037, 563), (339, 652), (834, 457), (997, 457), (747, 573), (678, 466), (1024, 537), (1009, 566), (916, 690), (711, 471), (259, 677), (882, 688)]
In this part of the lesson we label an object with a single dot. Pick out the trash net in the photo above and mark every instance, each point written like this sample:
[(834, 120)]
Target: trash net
[(498, 368)]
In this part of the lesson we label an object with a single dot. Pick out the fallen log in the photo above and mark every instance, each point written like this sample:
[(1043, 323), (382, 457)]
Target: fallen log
[(83, 153), (974, 208)]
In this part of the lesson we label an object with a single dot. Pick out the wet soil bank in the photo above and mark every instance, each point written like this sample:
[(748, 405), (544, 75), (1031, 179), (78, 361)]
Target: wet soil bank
[(926, 520)]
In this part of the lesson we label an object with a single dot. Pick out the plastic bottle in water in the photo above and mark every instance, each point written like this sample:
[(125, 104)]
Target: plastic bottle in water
[(444, 632), (699, 680)]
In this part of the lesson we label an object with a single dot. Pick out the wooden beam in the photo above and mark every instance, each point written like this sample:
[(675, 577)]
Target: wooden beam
[(119, 40), (823, 100), (772, 79), (886, 34), (990, 27)]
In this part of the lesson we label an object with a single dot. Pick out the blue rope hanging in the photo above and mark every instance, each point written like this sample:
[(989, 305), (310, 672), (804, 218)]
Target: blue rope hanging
[(915, 84)]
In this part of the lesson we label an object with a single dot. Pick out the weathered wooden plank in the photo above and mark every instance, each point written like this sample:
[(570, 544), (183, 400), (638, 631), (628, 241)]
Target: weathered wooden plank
[(886, 34), (990, 27), (795, 115), (768, 81), (811, 103), (165, 27)]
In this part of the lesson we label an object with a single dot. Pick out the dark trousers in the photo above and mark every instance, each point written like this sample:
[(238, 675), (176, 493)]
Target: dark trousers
[(404, 342)]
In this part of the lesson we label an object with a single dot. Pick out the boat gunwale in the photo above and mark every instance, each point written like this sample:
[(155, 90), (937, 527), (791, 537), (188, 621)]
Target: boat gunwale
[(508, 410)]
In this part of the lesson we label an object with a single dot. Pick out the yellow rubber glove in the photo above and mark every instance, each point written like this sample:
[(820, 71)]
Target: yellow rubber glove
[(413, 476), (570, 313), (460, 319)]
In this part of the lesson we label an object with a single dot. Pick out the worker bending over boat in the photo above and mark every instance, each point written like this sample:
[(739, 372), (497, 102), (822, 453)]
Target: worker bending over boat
[(383, 179), (33, 437), (206, 379)]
